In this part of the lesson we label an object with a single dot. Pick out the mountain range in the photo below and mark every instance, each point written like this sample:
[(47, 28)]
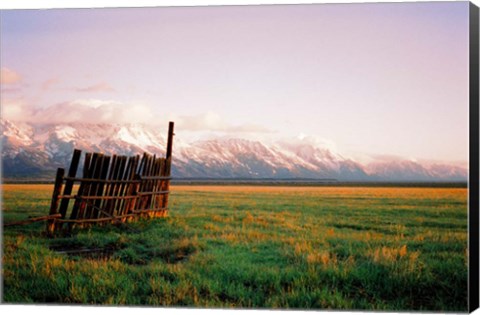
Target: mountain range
[(34, 151)]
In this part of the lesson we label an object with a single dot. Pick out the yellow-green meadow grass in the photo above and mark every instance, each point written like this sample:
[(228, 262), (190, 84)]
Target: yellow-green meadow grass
[(374, 248)]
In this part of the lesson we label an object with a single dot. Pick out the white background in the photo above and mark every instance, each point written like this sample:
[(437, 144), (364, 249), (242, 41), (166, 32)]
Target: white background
[(77, 310)]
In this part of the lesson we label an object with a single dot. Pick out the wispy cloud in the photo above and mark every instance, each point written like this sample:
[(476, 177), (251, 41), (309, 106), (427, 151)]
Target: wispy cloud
[(97, 111), (16, 110), (11, 89), (48, 84), (100, 87), (8, 76), (212, 121), (79, 111), (311, 140)]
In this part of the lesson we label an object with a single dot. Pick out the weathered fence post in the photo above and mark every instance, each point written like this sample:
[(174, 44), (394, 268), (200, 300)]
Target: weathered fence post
[(167, 167), (72, 172), (55, 200), (81, 191), (133, 191), (170, 140)]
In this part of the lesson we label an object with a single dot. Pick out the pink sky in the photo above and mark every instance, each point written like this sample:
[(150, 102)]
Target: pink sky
[(370, 79)]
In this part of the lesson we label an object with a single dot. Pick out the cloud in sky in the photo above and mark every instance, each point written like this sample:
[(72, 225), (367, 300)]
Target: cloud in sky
[(211, 121), (8, 76), (48, 84), (97, 111), (311, 140), (85, 111), (99, 87), (15, 109)]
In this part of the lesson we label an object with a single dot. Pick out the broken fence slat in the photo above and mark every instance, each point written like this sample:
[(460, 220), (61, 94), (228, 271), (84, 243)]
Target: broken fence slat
[(150, 210), (133, 188), (113, 218), (72, 172), (94, 186), (57, 189), (98, 197), (101, 186), (77, 206), (117, 193), (155, 177), (114, 171), (152, 193), (124, 186)]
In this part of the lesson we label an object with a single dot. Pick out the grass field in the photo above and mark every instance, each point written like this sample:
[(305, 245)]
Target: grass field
[(252, 247)]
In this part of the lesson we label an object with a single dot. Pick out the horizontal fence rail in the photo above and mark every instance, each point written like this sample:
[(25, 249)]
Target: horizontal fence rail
[(111, 189)]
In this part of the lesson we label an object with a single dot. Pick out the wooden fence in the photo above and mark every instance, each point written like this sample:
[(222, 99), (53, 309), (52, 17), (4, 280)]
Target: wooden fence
[(111, 189)]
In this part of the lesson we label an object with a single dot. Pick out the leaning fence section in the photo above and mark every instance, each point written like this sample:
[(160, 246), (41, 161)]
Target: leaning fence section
[(112, 188)]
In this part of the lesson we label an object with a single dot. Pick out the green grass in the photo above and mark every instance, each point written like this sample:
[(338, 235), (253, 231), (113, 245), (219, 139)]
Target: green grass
[(260, 247)]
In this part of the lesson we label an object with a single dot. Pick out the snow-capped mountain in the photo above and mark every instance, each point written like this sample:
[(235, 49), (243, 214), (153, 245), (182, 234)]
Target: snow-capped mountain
[(37, 150), (405, 170), (234, 158)]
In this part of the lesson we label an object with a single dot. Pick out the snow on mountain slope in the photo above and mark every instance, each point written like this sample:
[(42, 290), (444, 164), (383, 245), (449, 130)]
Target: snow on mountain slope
[(139, 136), (405, 170), (18, 134), (28, 150)]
